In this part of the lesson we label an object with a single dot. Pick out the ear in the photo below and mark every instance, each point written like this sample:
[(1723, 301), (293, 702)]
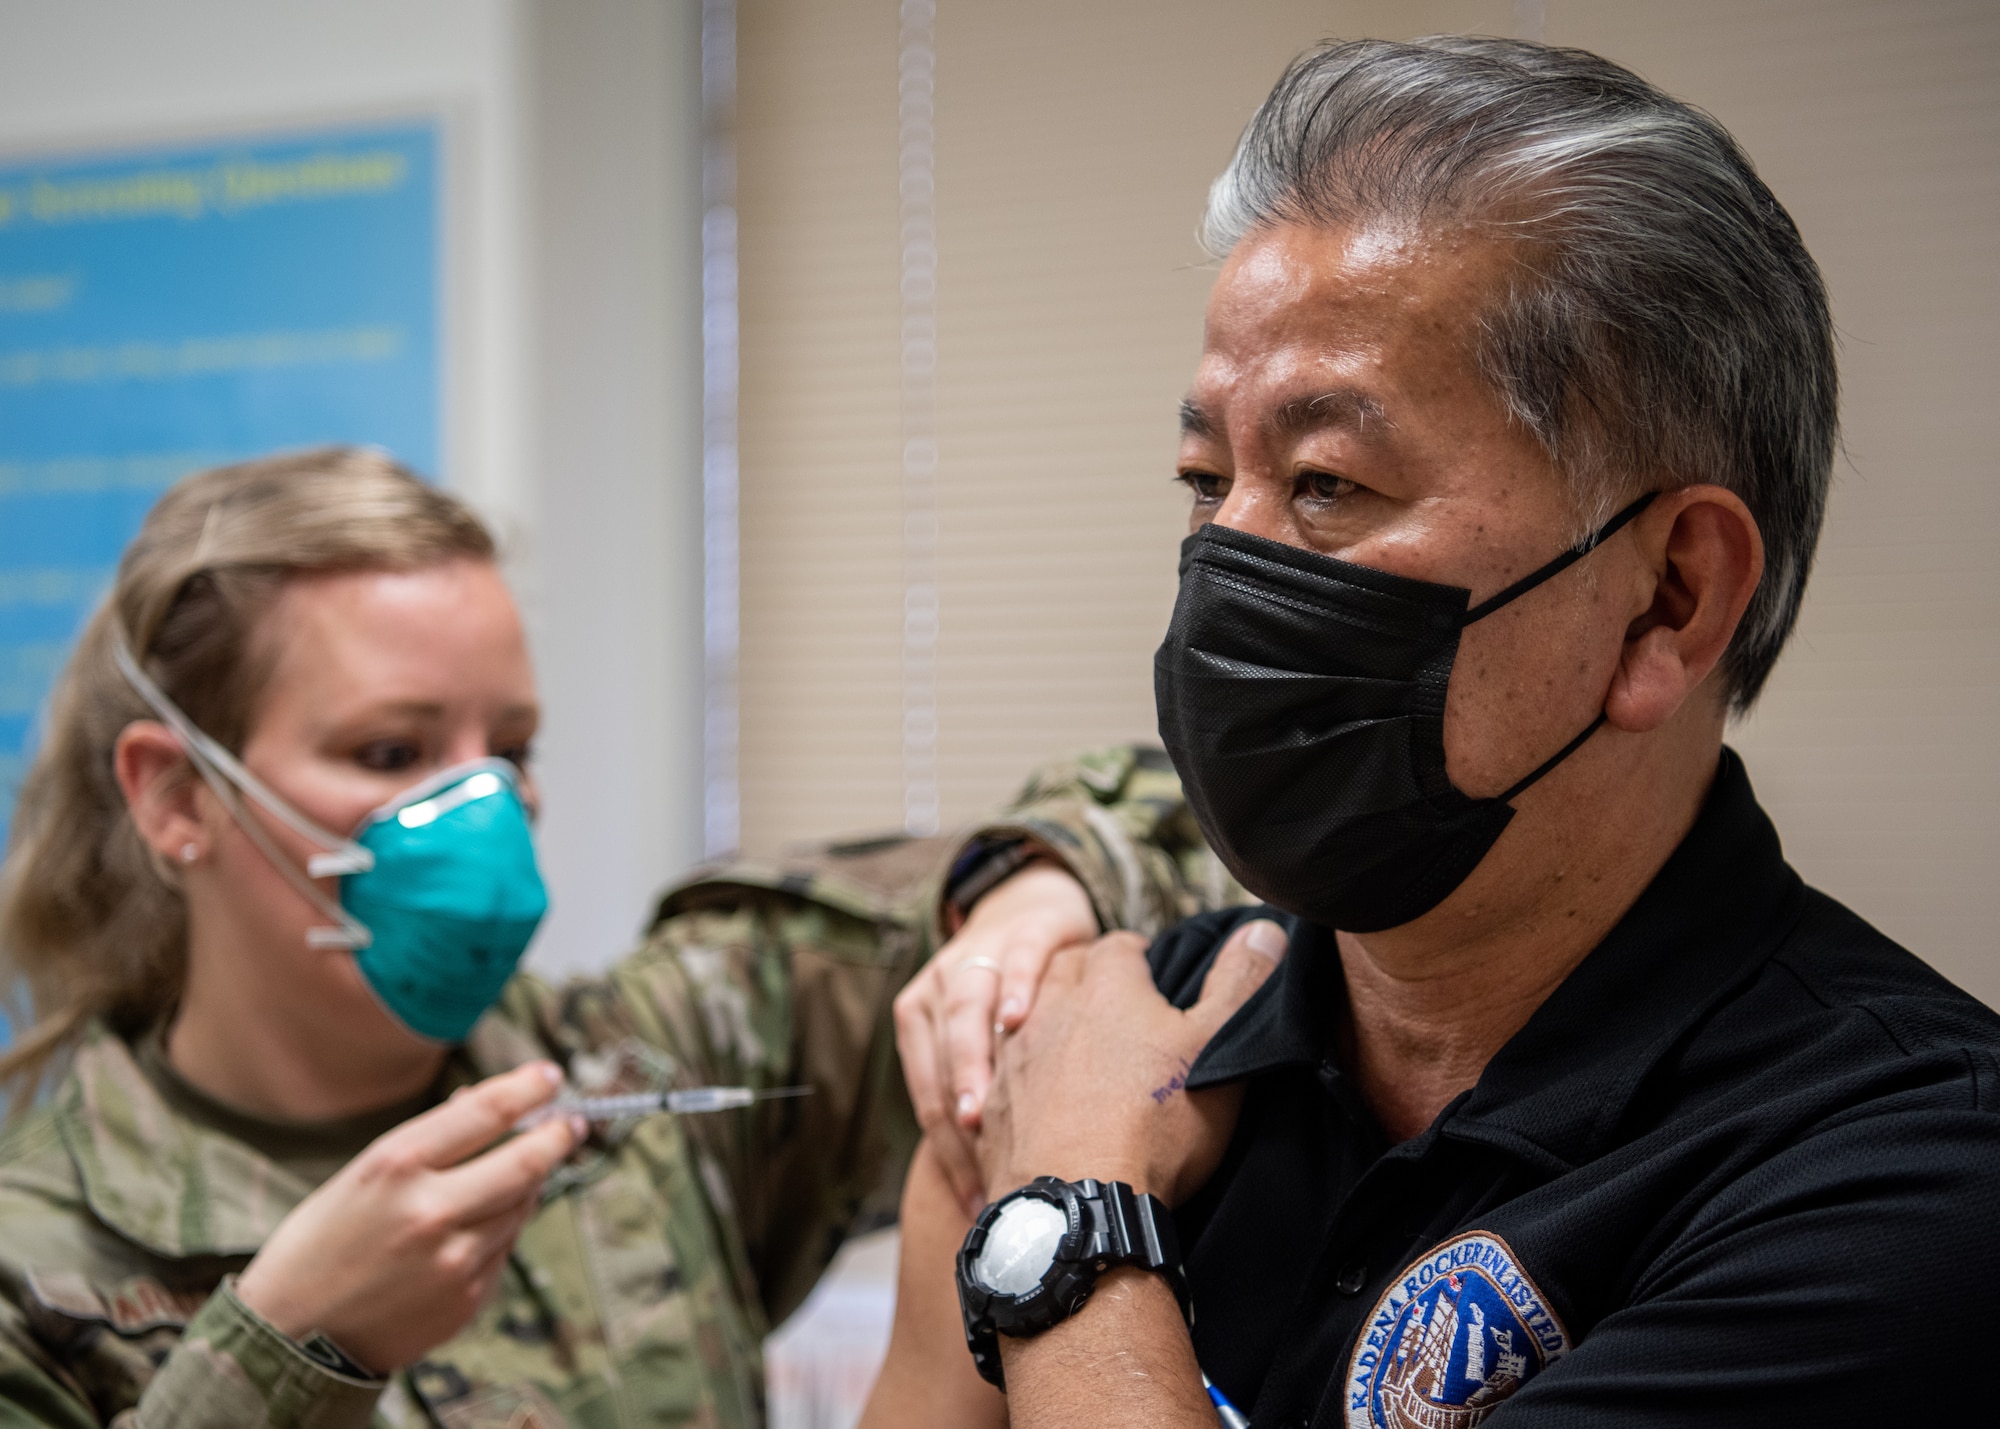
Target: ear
[(160, 789), (1702, 557)]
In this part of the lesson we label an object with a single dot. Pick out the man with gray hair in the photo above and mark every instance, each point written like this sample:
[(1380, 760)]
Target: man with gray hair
[(1541, 1088)]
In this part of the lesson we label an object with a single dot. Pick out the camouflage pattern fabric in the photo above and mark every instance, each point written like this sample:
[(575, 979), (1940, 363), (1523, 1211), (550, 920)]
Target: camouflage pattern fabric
[(664, 1251), (1115, 818)]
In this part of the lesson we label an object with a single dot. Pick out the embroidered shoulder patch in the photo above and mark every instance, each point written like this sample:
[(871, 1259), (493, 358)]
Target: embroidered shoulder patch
[(1452, 1337)]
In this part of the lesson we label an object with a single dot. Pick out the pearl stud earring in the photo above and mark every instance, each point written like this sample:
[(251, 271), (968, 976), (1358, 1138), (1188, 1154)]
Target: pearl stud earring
[(189, 852)]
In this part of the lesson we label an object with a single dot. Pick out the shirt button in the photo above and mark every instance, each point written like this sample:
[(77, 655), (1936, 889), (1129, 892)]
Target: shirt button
[(1351, 1279), (1329, 1073)]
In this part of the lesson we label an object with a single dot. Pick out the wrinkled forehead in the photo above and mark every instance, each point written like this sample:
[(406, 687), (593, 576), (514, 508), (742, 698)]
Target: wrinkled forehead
[(1385, 278), (1389, 309)]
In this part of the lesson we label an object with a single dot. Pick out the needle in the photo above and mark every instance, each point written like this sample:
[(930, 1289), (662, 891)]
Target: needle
[(688, 1101)]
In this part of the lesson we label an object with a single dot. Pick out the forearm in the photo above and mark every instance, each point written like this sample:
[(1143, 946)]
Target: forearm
[(1124, 1359), (1094, 1085), (928, 1378)]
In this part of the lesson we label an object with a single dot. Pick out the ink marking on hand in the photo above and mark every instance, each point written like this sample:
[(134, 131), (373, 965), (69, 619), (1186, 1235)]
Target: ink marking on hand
[(1173, 1084)]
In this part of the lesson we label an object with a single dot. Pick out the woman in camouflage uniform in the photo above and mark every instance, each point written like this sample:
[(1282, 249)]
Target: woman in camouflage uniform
[(253, 1197)]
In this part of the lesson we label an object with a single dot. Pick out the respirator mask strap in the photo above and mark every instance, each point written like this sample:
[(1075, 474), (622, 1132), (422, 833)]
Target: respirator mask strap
[(224, 774), (1527, 583), (1553, 760), (1561, 563)]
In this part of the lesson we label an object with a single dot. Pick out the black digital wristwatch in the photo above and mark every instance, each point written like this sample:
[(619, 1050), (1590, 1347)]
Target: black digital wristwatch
[(1033, 1257)]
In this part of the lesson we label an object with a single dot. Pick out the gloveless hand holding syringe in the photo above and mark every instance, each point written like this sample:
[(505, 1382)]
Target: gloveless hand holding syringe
[(687, 1101)]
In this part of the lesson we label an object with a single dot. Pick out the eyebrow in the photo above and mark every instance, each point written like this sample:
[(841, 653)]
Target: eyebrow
[(1335, 407), (430, 709), (1194, 420)]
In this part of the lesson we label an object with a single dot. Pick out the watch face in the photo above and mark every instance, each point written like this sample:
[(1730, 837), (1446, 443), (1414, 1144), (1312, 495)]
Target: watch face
[(1020, 1246)]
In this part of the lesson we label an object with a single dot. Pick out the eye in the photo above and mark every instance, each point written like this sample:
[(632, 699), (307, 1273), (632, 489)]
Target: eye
[(389, 756), (1206, 487), (1323, 488), (517, 753)]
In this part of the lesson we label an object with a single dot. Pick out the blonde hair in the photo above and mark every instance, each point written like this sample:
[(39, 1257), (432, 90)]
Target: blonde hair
[(92, 922)]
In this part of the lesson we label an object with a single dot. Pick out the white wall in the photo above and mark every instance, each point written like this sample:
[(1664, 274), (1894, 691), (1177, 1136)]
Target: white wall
[(617, 89), (572, 356)]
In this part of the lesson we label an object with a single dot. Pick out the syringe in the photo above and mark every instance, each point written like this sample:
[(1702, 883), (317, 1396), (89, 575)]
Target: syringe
[(687, 1101)]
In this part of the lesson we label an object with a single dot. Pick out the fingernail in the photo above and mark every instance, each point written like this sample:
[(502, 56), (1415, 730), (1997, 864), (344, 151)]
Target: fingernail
[(967, 1105), (579, 1129), (1267, 939), (1010, 1009), (551, 1073)]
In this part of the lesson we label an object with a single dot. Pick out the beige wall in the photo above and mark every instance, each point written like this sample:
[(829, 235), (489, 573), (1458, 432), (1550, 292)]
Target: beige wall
[(1074, 144), (821, 593)]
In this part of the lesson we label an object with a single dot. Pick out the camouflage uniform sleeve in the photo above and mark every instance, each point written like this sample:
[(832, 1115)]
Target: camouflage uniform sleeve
[(233, 1369), (1116, 819), (775, 976)]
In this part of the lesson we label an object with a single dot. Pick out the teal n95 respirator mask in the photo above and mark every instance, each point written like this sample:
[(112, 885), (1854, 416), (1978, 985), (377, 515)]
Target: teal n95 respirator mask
[(439, 888)]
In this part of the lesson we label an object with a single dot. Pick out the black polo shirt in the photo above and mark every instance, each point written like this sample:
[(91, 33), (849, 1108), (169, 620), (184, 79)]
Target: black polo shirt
[(1742, 1167)]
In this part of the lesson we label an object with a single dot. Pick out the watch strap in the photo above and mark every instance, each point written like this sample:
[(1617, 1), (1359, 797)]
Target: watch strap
[(1134, 1228)]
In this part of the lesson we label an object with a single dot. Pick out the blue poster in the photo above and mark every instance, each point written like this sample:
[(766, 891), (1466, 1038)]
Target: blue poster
[(170, 309)]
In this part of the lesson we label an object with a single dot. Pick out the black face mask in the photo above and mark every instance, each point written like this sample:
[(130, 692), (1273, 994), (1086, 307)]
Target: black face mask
[(1302, 700)]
